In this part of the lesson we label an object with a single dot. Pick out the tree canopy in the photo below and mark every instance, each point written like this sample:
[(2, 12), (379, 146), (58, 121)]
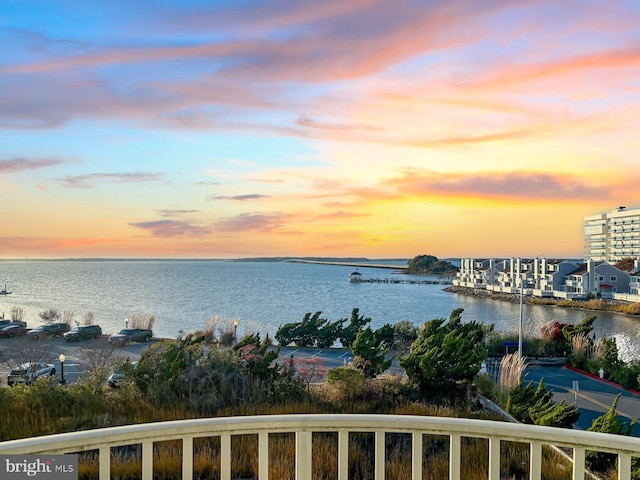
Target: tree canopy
[(428, 264), (445, 354)]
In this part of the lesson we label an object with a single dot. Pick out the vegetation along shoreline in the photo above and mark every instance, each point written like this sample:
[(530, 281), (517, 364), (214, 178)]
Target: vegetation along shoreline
[(597, 304)]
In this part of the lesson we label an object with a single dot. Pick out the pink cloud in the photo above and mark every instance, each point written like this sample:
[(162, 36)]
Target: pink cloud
[(171, 228), (248, 222), (499, 185), (85, 181), (15, 165)]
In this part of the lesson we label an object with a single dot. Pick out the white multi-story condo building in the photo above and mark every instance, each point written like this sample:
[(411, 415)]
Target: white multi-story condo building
[(612, 236)]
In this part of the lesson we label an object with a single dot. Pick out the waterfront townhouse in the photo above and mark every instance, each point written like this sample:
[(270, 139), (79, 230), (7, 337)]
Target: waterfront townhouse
[(549, 275), (599, 279), (478, 273), (634, 285), (543, 277), (515, 273)]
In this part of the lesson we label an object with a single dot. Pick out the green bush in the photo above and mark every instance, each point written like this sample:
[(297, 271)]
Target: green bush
[(445, 355)]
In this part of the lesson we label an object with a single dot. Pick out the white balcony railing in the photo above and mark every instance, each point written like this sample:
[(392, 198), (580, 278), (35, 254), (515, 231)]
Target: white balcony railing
[(304, 426)]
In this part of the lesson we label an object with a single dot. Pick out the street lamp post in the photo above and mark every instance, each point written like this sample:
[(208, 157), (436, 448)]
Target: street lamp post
[(235, 329), (126, 323), (61, 358)]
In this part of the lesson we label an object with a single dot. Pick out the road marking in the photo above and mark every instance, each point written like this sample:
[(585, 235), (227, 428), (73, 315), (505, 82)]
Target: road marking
[(600, 404)]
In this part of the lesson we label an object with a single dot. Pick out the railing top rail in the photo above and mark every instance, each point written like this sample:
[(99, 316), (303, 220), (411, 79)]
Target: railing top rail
[(204, 427)]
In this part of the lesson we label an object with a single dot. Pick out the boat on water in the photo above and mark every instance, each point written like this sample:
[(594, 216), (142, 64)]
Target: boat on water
[(5, 291)]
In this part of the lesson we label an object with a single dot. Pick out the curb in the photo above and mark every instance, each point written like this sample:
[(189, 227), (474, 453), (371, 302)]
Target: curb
[(597, 377)]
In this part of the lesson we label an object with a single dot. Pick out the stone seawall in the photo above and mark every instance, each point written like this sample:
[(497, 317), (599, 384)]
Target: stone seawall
[(480, 293)]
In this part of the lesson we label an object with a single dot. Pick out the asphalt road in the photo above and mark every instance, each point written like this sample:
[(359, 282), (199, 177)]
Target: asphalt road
[(593, 397)]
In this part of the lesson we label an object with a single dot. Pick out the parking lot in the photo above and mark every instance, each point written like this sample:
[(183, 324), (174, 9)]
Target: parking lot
[(14, 351)]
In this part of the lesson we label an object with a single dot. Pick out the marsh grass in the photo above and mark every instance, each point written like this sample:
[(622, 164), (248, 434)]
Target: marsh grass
[(630, 308)]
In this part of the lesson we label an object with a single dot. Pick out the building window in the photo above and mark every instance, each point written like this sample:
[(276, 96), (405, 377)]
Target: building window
[(613, 278)]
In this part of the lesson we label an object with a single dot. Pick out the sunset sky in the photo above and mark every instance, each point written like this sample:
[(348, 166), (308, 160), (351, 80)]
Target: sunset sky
[(381, 129)]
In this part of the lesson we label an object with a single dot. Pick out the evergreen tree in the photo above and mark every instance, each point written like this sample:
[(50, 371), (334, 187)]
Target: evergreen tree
[(370, 349), (535, 406), (609, 423), (348, 333), (445, 354)]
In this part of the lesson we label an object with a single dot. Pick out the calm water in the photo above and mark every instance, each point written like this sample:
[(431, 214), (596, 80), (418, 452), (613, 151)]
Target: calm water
[(263, 296)]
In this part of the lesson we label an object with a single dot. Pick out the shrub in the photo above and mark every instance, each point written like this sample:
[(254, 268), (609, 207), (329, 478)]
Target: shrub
[(345, 383)]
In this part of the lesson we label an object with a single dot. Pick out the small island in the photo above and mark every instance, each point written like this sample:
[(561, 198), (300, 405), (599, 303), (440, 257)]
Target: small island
[(430, 265)]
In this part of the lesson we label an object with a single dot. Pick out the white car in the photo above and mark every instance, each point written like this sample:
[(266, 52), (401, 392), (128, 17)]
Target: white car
[(29, 373)]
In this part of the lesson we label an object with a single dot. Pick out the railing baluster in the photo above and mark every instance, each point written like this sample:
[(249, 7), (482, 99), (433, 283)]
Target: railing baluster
[(578, 463), (303, 455), (225, 456), (343, 455), (535, 461), (379, 455), (416, 456), (187, 456), (494, 458), (104, 462), (624, 466), (263, 455), (147, 460), (454, 457)]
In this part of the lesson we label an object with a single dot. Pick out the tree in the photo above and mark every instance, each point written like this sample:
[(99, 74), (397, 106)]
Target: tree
[(49, 316), (625, 264), (312, 331), (535, 406), (98, 361), (428, 264), (608, 423), (17, 314), (404, 334), (348, 333), (310, 370), (445, 355), (370, 349)]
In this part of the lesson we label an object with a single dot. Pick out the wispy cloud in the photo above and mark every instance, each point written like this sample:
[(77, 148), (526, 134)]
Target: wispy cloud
[(172, 228), (15, 165), (176, 213), (252, 222), (88, 180), (240, 198), (498, 185)]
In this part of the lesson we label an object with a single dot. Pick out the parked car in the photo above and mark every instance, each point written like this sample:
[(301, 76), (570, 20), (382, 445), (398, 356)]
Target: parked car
[(14, 331), (119, 375), (48, 330), (126, 335), (7, 323), (28, 373), (83, 332)]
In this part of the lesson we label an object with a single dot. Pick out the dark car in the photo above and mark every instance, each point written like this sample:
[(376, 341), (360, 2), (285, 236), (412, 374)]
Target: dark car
[(126, 335), (83, 332), (48, 330), (14, 331)]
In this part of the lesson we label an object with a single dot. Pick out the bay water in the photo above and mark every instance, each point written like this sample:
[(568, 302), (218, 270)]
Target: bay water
[(262, 296)]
